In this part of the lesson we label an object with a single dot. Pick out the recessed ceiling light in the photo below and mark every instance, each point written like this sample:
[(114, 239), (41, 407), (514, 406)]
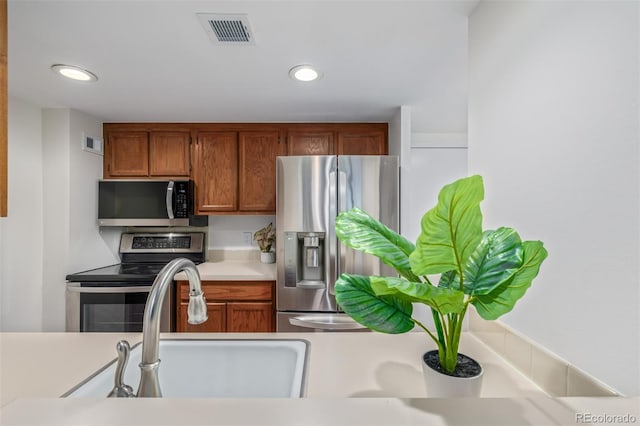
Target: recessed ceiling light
[(304, 73), (74, 73)]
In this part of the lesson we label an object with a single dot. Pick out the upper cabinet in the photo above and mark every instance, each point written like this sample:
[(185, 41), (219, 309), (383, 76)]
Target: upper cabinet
[(257, 169), (309, 141), (337, 139), (136, 153), (362, 142), (169, 154), (215, 172), (126, 154), (232, 165), (234, 172)]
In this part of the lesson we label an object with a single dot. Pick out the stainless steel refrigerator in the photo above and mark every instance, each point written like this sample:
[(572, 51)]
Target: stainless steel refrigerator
[(311, 191)]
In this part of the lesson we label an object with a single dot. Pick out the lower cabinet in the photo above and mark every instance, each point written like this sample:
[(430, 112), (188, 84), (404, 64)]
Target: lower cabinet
[(232, 306)]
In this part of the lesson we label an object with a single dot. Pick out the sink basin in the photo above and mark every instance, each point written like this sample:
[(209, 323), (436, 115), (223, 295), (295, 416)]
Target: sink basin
[(259, 368)]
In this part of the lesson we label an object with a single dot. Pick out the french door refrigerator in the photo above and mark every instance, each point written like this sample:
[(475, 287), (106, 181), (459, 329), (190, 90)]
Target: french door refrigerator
[(311, 191)]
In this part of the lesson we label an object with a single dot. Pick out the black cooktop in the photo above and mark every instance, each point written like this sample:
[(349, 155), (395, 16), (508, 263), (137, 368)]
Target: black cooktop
[(125, 272), (143, 256)]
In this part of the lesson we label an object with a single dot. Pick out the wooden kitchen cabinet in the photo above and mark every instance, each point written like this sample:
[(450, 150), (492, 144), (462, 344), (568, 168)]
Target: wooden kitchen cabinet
[(337, 139), (232, 165), (310, 142), (126, 154), (233, 306), (169, 154), (216, 172), (250, 317), (217, 322), (142, 153), (362, 142), (235, 172), (257, 169)]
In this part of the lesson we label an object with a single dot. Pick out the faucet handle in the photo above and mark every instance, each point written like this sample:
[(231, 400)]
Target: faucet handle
[(197, 308), (120, 390)]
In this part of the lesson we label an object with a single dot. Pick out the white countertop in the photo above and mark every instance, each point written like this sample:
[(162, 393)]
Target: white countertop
[(242, 266), (353, 378)]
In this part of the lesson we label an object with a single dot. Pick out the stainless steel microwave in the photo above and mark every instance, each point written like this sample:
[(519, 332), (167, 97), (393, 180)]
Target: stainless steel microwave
[(143, 202)]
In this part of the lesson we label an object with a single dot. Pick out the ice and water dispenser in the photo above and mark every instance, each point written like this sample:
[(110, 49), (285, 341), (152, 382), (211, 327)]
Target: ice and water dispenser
[(304, 261)]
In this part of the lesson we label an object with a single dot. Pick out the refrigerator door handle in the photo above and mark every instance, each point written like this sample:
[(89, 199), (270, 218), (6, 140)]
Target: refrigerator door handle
[(334, 245), (341, 251)]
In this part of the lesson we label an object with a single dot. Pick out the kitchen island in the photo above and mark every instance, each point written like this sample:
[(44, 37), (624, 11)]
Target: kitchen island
[(352, 378)]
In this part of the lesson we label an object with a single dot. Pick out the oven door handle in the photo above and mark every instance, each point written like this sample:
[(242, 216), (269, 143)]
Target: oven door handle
[(138, 289)]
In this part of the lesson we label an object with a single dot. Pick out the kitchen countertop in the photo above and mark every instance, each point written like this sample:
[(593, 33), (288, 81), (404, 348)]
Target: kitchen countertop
[(234, 270), (352, 378)]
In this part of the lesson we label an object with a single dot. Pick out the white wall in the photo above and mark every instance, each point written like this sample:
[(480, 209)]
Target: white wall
[(56, 169), (72, 241), (89, 246), (51, 229), (227, 232), (21, 232), (553, 127), (427, 162), (434, 160)]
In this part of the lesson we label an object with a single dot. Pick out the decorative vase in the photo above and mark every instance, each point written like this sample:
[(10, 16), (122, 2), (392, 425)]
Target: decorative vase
[(267, 256), (465, 381)]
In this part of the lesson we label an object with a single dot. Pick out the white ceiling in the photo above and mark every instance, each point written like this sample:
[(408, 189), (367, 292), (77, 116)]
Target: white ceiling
[(155, 61)]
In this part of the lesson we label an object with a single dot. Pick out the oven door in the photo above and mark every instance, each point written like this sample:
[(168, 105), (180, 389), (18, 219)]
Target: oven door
[(111, 307)]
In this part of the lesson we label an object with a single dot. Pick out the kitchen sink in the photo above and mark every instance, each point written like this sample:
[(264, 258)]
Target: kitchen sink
[(252, 368)]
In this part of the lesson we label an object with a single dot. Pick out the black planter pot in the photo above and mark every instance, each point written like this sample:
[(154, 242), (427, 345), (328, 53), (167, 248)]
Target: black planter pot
[(465, 381)]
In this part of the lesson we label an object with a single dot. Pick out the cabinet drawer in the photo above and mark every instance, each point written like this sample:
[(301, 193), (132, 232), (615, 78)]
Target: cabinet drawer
[(229, 291)]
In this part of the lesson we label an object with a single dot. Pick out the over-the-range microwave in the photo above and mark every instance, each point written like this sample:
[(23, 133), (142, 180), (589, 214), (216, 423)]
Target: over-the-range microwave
[(144, 202)]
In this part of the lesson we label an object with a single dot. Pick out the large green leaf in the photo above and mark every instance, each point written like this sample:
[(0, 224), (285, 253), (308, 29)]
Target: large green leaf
[(358, 230), (451, 230), (494, 261), (443, 300), (449, 279), (386, 314), (501, 300)]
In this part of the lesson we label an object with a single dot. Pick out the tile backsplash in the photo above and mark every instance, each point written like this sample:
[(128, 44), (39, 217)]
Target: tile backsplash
[(553, 374)]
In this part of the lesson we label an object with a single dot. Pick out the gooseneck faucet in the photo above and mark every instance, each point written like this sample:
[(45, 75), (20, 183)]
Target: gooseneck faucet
[(197, 313)]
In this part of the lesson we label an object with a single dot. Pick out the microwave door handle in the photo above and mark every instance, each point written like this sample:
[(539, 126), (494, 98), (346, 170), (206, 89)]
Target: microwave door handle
[(170, 199)]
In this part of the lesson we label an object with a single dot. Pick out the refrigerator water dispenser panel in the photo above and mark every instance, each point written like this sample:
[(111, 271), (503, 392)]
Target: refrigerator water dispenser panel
[(304, 260)]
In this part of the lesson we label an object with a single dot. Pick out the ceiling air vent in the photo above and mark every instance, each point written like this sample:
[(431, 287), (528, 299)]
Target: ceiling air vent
[(227, 29)]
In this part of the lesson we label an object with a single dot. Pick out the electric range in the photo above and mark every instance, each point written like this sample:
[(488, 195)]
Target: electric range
[(112, 298)]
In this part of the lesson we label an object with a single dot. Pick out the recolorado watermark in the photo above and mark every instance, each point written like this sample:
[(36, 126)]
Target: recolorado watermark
[(604, 418)]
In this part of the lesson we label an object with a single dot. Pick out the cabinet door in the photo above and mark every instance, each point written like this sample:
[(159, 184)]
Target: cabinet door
[(169, 154), (249, 317), (127, 154), (257, 170), (371, 142), (301, 142), (216, 172), (217, 322)]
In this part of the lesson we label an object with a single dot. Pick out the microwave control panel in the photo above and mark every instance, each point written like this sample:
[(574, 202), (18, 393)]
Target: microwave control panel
[(181, 206)]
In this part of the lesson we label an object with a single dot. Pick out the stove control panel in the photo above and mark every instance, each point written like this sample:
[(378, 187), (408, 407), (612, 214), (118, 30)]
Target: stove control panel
[(150, 243), (161, 242)]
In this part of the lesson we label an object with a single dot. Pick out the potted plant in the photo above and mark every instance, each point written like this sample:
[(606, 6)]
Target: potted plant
[(490, 270), (265, 238)]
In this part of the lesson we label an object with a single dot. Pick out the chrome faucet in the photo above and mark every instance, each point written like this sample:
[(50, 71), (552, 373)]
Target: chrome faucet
[(197, 314)]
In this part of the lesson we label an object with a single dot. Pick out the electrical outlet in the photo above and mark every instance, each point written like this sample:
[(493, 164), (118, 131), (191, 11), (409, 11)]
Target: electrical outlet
[(247, 238)]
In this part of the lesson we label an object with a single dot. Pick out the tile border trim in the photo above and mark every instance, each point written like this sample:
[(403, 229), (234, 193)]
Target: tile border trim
[(553, 374)]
